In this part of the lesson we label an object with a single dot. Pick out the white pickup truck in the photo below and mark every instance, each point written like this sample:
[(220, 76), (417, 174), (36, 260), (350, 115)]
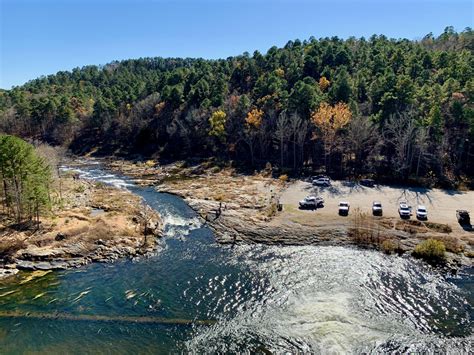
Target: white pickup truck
[(311, 202)]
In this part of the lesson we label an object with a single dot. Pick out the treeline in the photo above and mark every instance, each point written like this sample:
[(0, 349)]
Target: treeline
[(379, 106), (25, 179)]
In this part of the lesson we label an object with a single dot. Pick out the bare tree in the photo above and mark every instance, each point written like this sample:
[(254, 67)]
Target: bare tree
[(362, 137), (250, 137), (400, 132), (281, 134), (301, 135), (295, 122)]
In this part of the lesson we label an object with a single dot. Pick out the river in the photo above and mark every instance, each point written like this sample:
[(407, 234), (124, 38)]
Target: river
[(257, 298)]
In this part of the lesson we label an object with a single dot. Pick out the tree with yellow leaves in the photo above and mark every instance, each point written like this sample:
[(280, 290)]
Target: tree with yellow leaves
[(329, 120), (217, 121), (253, 122), (324, 83)]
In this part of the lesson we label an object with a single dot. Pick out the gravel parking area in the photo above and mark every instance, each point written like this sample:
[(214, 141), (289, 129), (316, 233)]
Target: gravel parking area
[(441, 204)]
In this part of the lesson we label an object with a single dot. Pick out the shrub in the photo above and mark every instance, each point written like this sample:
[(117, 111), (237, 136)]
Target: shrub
[(283, 178), (80, 189), (219, 197), (214, 170), (452, 244), (272, 209), (430, 249), (388, 246)]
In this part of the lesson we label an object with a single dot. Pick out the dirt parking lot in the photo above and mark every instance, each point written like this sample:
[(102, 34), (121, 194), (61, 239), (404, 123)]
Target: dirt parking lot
[(441, 204)]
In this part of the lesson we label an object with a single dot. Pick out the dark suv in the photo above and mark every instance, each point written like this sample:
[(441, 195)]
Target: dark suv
[(367, 182), (463, 217)]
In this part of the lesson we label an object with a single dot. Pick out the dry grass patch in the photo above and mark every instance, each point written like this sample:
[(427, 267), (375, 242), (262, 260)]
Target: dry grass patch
[(438, 227), (367, 231)]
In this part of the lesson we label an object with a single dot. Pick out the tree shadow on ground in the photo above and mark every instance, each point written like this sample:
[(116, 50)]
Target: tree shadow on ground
[(18, 227), (453, 192), (417, 193)]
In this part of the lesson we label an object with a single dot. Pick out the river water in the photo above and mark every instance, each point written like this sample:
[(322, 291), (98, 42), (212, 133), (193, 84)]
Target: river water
[(262, 298)]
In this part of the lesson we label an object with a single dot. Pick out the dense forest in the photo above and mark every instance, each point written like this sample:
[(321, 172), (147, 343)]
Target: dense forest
[(383, 107)]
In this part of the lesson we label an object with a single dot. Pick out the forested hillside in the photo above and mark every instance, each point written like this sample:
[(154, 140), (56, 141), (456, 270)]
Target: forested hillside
[(351, 107)]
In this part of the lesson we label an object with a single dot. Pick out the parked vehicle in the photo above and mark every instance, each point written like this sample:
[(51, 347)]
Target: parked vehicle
[(311, 202), (421, 212), (463, 217), (324, 181), (377, 208), (367, 182), (316, 177), (344, 208), (404, 210)]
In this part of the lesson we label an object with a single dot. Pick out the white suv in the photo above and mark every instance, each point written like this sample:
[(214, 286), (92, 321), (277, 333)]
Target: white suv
[(344, 208), (404, 210), (421, 212)]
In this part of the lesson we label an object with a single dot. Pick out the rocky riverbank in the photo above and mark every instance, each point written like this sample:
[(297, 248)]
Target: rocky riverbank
[(244, 208), (90, 222)]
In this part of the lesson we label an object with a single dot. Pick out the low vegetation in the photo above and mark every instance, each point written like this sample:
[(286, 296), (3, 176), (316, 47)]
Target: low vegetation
[(430, 250), (365, 231)]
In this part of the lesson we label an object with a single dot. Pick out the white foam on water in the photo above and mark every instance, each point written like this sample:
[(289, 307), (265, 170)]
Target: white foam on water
[(98, 175), (175, 225), (326, 300)]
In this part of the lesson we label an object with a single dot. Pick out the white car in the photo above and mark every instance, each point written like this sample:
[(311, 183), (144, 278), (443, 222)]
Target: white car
[(404, 210), (322, 182), (421, 212), (344, 208), (377, 208)]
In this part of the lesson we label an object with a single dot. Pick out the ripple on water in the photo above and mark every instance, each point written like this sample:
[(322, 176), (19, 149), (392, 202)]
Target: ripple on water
[(339, 300)]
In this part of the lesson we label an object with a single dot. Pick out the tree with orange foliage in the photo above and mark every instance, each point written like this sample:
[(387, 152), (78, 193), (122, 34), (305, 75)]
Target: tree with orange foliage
[(324, 83), (329, 120), (254, 118)]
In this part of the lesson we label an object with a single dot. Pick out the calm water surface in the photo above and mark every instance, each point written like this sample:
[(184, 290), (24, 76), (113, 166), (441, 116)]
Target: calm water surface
[(307, 299)]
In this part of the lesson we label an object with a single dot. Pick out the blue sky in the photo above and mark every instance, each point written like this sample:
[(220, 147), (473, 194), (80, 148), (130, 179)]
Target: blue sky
[(41, 37)]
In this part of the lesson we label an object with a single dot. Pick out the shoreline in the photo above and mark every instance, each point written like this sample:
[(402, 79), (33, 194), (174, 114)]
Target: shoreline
[(92, 223), (246, 213)]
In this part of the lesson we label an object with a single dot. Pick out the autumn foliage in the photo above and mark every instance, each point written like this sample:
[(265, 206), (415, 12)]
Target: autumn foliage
[(254, 118), (329, 119), (217, 122), (324, 83)]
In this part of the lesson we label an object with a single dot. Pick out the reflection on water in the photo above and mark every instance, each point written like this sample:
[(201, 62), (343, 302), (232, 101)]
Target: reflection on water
[(319, 299)]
